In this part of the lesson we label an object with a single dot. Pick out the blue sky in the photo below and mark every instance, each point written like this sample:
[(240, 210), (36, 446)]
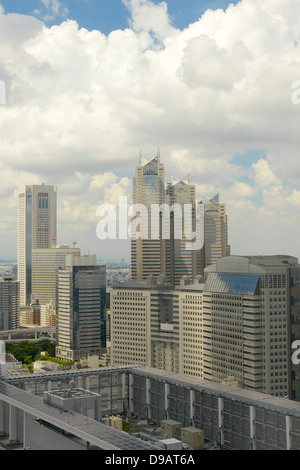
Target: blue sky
[(109, 15)]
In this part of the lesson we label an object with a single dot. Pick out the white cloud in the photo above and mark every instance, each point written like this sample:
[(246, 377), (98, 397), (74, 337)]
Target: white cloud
[(56, 9), (294, 198), (264, 175), (81, 104), (148, 17)]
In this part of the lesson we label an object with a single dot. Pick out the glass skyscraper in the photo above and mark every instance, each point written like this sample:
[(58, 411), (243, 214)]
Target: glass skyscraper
[(81, 308)]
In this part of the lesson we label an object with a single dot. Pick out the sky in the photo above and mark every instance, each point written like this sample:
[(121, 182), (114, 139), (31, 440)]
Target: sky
[(212, 84)]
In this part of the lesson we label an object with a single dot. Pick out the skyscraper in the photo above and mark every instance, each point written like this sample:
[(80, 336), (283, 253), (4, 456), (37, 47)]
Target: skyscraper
[(215, 232), (9, 304), (148, 254), (81, 308), (45, 264), (37, 224), (168, 244), (142, 324), (181, 261), (246, 322)]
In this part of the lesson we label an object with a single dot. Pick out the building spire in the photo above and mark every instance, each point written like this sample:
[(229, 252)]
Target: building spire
[(158, 155)]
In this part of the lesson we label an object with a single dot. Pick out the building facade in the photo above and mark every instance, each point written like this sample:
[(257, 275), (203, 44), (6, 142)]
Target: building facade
[(234, 327), (181, 261), (148, 253), (166, 241), (48, 315), (142, 327), (35, 313), (9, 304), (215, 232), (45, 264), (37, 224), (81, 308)]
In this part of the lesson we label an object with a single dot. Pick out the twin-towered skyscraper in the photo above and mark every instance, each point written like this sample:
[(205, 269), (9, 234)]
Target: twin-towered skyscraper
[(174, 256)]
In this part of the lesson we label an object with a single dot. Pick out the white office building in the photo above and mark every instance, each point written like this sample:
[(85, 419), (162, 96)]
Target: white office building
[(36, 229), (45, 264)]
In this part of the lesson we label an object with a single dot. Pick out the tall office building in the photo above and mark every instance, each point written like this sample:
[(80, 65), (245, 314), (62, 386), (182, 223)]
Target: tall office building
[(181, 261), (142, 330), (148, 254), (81, 308), (295, 330), (9, 304), (36, 229), (164, 247), (246, 322), (45, 264), (215, 232)]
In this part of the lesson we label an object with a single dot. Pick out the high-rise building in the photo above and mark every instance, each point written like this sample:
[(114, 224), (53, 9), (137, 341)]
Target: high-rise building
[(36, 229), (236, 327), (35, 313), (48, 315), (181, 261), (142, 330), (81, 308), (9, 304), (168, 245), (147, 252), (295, 330), (246, 322), (45, 264), (215, 232)]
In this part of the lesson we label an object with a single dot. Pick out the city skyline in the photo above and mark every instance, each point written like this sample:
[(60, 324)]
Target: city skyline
[(80, 104)]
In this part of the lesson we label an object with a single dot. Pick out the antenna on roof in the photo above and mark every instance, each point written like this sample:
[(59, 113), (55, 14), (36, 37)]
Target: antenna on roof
[(158, 154)]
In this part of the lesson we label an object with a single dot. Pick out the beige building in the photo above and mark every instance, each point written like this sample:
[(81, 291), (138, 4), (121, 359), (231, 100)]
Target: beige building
[(235, 327), (130, 324), (36, 229), (45, 264), (142, 327), (48, 314), (190, 316)]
